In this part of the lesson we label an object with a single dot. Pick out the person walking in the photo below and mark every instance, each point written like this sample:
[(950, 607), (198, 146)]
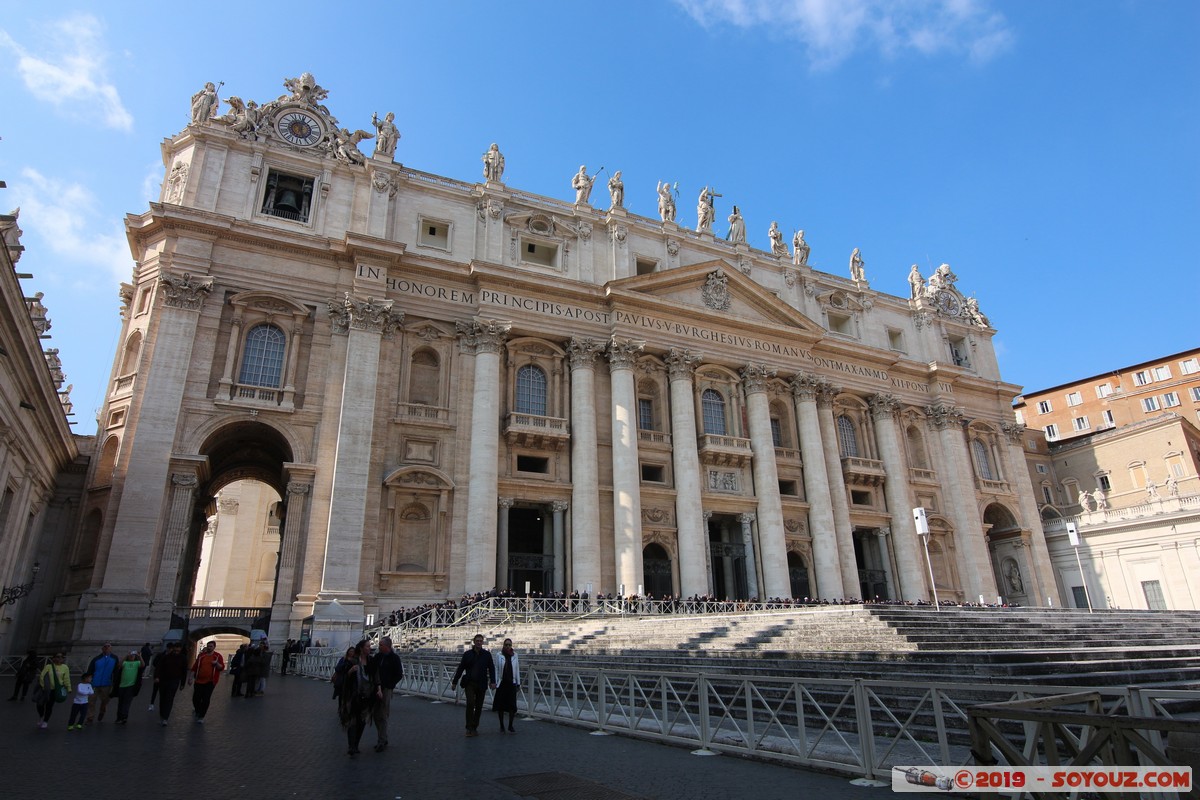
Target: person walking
[(253, 667), (79, 706), (170, 676), (478, 673), (54, 686), (508, 671), (26, 673), (360, 693), (387, 671), (102, 668), (237, 663), (129, 681), (205, 672)]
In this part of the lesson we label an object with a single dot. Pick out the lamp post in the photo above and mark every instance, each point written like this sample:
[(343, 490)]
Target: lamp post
[(1073, 538), (922, 523), (11, 594)]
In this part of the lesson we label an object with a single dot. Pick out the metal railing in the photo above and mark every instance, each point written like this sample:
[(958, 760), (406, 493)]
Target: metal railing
[(852, 726)]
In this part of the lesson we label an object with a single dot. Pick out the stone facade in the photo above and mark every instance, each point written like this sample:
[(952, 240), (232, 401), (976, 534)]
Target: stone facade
[(41, 469), (455, 386)]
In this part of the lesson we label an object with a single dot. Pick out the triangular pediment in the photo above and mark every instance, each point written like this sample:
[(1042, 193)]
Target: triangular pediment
[(713, 287)]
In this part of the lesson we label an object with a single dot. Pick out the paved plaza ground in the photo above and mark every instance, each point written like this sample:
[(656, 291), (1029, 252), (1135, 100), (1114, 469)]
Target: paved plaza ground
[(288, 744)]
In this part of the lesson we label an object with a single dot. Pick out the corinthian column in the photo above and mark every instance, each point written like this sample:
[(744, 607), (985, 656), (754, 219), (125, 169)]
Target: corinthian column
[(559, 507), (747, 521), (772, 546), (627, 487), (299, 495), (689, 513), (1014, 463), (904, 533), (816, 488), (969, 540), (585, 479), (184, 483), (837, 490), (485, 338)]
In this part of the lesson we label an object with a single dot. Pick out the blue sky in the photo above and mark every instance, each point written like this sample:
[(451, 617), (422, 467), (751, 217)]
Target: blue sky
[(1048, 151)]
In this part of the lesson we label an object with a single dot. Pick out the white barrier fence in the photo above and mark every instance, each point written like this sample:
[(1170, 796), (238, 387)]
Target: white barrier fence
[(853, 726)]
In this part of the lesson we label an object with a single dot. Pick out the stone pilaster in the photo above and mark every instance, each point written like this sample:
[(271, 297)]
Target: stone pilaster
[(504, 505), (298, 498), (585, 477), (752, 590), (627, 486), (947, 422), (485, 338), (881, 536), (365, 323), (904, 540), (689, 514), (1041, 568), (559, 509), (185, 480), (773, 547)]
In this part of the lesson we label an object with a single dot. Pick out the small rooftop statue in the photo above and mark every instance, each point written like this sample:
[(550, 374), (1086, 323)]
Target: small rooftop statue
[(493, 164)]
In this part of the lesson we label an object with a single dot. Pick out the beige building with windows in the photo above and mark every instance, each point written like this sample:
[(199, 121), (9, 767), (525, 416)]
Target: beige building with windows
[(1131, 489), (450, 386)]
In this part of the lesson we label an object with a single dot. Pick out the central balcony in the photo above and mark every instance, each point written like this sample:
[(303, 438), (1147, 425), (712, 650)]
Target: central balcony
[(863, 471), (724, 451), (537, 433)]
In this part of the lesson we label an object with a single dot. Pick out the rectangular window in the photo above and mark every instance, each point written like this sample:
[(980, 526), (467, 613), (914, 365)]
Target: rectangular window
[(1104, 482), (1020, 415), (1079, 596), (1047, 496), (1108, 418), (1162, 373), (1080, 424), (1189, 367), (1041, 468), (1195, 394), (533, 464), (544, 255), (788, 488), (645, 266), (1170, 399), (1074, 399), (1155, 601), (645, 414), (840, 323), (433, 233), (1149, 404), (1044, 407), (860, 498), (896, 340), (776, 432), (1103, 390), (653, 473), (1051, 432), (960, 352), (1141, 377)]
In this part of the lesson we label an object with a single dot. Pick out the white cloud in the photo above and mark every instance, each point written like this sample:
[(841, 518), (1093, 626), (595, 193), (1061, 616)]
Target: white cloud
[(67, 219), (833, 30), (72, 73)]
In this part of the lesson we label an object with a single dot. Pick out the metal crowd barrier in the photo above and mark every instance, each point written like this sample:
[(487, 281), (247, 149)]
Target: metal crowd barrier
[(852, 726)]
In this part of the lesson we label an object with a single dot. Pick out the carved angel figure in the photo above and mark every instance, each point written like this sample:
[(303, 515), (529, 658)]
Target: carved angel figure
[(243, 118), (345, 145)]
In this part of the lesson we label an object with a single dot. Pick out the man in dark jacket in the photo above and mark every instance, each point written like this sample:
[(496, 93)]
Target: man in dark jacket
[(477, 673), (387, 670), (170, 676)]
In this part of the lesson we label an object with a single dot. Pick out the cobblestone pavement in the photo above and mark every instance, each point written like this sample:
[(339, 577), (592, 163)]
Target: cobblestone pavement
[(288, 744)]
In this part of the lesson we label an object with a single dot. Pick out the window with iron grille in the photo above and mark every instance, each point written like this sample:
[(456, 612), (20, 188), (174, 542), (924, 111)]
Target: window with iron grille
[(262, 356), (531, 391)]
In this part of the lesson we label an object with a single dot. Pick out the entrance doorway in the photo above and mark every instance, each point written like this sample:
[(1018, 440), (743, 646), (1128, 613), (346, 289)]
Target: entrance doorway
[(728, 557), (798, 576), (868, 556), (530, 550), (656, 571)]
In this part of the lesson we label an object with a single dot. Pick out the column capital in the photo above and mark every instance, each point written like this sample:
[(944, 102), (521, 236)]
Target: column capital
[(809, 386), (559, 506), (372, 315), (506, 502), (187, 480), (623, 353), (296, 487), (583, 352), (184, 292), (942, 415), (682, 363), (707, 515), (483, 335), (1014, 432), (747, 518), (755, 377), (883, 405)]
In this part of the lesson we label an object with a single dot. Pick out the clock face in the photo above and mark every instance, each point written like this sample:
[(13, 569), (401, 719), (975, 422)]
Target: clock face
[(948, 304), (299, 128)]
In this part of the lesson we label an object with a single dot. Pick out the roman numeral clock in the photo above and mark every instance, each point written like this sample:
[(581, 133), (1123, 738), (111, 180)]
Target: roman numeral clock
[(299, 128)]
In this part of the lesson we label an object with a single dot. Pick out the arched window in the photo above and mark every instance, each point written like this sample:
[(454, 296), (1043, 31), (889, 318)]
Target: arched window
[(847, 437), (133, 349), (262, 356), (531, 391), (108, 461), (983, 461), (424, 378), (712, 404)]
